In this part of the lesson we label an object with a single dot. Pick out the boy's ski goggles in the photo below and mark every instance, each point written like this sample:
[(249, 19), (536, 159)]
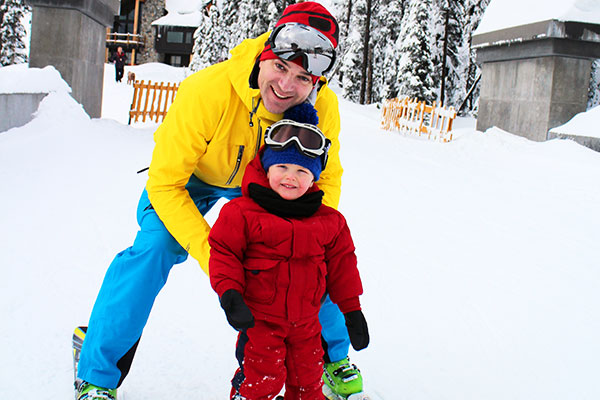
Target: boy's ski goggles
[(307, 137), (293, 40)]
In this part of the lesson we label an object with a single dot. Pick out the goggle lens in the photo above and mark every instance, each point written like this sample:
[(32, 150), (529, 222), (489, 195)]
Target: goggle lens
[(306, 137), (292, 40), (309, 139)]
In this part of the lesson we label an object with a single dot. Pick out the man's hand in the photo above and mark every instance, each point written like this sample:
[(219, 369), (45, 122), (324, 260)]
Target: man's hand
[(238, 314)]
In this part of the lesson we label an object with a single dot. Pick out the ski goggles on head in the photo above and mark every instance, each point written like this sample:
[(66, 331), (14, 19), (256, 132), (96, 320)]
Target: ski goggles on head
[(293, 40), (308, 138)]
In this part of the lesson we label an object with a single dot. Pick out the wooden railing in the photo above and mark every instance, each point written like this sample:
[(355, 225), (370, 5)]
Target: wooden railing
[(151, 100), (126, 39), (415, 117)]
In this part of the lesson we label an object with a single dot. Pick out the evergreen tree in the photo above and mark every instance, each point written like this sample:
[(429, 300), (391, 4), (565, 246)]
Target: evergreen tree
[(12, 32), (341, 10), (230, 23), (355, 65), (474, 14), (388, 18), (415, 67), (210, 45), (594, 90)]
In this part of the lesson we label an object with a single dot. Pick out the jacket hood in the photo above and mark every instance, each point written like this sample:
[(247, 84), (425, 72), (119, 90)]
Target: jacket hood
[(255, 173)]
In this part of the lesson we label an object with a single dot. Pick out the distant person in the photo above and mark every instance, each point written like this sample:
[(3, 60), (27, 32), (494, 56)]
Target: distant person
[(275, 252), (120, 59), (212, 131)]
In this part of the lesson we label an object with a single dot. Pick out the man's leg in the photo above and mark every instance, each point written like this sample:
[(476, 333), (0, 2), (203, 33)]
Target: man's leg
[(334, 331), (132, 282), (340, 376), (116, 323)]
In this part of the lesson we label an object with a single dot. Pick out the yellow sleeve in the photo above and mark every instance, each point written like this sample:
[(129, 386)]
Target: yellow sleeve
[(329, 122), (180, 142)]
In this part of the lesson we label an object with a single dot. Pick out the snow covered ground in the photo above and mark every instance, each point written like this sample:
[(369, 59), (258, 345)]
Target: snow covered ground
[(479, 259)]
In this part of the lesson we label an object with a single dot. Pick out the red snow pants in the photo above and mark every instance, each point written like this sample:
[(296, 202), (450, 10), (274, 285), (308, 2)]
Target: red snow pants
[(271, 354)]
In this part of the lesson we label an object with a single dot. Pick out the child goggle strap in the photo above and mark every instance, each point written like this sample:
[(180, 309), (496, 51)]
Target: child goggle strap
[(307, 138), (293, 40)]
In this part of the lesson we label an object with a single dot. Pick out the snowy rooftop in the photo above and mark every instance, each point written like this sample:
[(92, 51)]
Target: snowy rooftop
[(182, 13), (502, 14)]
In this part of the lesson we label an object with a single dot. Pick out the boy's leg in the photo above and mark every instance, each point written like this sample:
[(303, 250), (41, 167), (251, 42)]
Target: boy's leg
[(304, 362), (123, 305), (260, 352), (334, 331)]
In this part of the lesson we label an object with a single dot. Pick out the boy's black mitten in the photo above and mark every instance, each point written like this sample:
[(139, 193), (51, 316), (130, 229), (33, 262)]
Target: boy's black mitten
[(238, 314), (357, 329)]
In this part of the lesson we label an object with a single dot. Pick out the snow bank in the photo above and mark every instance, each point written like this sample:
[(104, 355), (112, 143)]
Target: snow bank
[(22, 79)]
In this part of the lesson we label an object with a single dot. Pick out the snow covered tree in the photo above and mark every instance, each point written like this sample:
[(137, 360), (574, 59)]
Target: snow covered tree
[(210, 41), (415, 68), (356, 63), (474, 13), (229, 23), (594, 91), (387, 17), (455, 53), (341, 10), (12, 32), (255, 17)]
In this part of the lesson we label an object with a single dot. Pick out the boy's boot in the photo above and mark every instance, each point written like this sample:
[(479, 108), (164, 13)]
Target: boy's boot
[(342, 378), (87, 391)]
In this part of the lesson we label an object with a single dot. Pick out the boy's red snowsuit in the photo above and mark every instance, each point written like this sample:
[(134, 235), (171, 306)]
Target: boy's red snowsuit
[(283, 267)]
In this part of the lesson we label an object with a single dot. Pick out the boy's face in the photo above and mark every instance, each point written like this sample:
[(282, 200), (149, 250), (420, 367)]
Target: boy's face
[(290, 181)]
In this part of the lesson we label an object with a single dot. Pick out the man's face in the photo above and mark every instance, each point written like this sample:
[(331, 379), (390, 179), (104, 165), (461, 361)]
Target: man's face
[(283, 84)]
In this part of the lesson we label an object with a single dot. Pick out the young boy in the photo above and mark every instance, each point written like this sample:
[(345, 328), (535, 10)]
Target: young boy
[(275, 254)]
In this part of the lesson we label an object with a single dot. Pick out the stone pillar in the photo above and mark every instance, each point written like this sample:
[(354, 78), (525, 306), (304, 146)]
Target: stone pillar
[(535, 77), (151, 11), (71, 36)]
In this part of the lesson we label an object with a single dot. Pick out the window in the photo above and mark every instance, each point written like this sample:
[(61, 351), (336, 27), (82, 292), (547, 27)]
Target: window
[(176, 61), (174, 37)]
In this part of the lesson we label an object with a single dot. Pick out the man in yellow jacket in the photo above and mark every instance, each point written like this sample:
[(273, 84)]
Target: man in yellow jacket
[(213, 129)]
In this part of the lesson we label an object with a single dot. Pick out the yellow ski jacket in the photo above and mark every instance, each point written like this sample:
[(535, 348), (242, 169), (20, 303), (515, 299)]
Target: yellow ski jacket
[(213, 129)]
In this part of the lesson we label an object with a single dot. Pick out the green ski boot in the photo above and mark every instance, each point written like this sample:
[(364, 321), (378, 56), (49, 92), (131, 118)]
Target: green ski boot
[(341, 379), (87, 391)]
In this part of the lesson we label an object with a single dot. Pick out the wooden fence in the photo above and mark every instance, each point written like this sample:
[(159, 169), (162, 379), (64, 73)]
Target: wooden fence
[(415, 117), (151, 100)]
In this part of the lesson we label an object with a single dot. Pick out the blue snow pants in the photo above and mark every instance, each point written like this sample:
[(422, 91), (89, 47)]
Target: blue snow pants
[(134, 279)]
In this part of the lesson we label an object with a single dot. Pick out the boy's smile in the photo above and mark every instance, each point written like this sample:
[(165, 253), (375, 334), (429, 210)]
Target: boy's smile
[(290, 181)]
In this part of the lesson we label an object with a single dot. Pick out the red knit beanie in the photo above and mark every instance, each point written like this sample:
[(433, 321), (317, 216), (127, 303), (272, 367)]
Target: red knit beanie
[(311, 14)]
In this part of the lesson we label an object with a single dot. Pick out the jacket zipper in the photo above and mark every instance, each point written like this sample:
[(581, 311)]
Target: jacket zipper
[(258, 138), (238, 162), (254, 108)]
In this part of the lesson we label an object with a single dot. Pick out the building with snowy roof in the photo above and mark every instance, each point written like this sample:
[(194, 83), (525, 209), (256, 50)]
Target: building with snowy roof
[(156, 30), (536, 59)]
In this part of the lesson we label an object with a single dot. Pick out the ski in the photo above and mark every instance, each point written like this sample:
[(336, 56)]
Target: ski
[(77, 342)]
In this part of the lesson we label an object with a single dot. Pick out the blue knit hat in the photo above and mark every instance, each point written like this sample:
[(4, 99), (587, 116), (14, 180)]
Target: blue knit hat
[(304, 113)]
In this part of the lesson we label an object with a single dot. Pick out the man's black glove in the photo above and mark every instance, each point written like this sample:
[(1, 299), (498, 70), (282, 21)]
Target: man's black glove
[(238, 314), (357, 329)]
